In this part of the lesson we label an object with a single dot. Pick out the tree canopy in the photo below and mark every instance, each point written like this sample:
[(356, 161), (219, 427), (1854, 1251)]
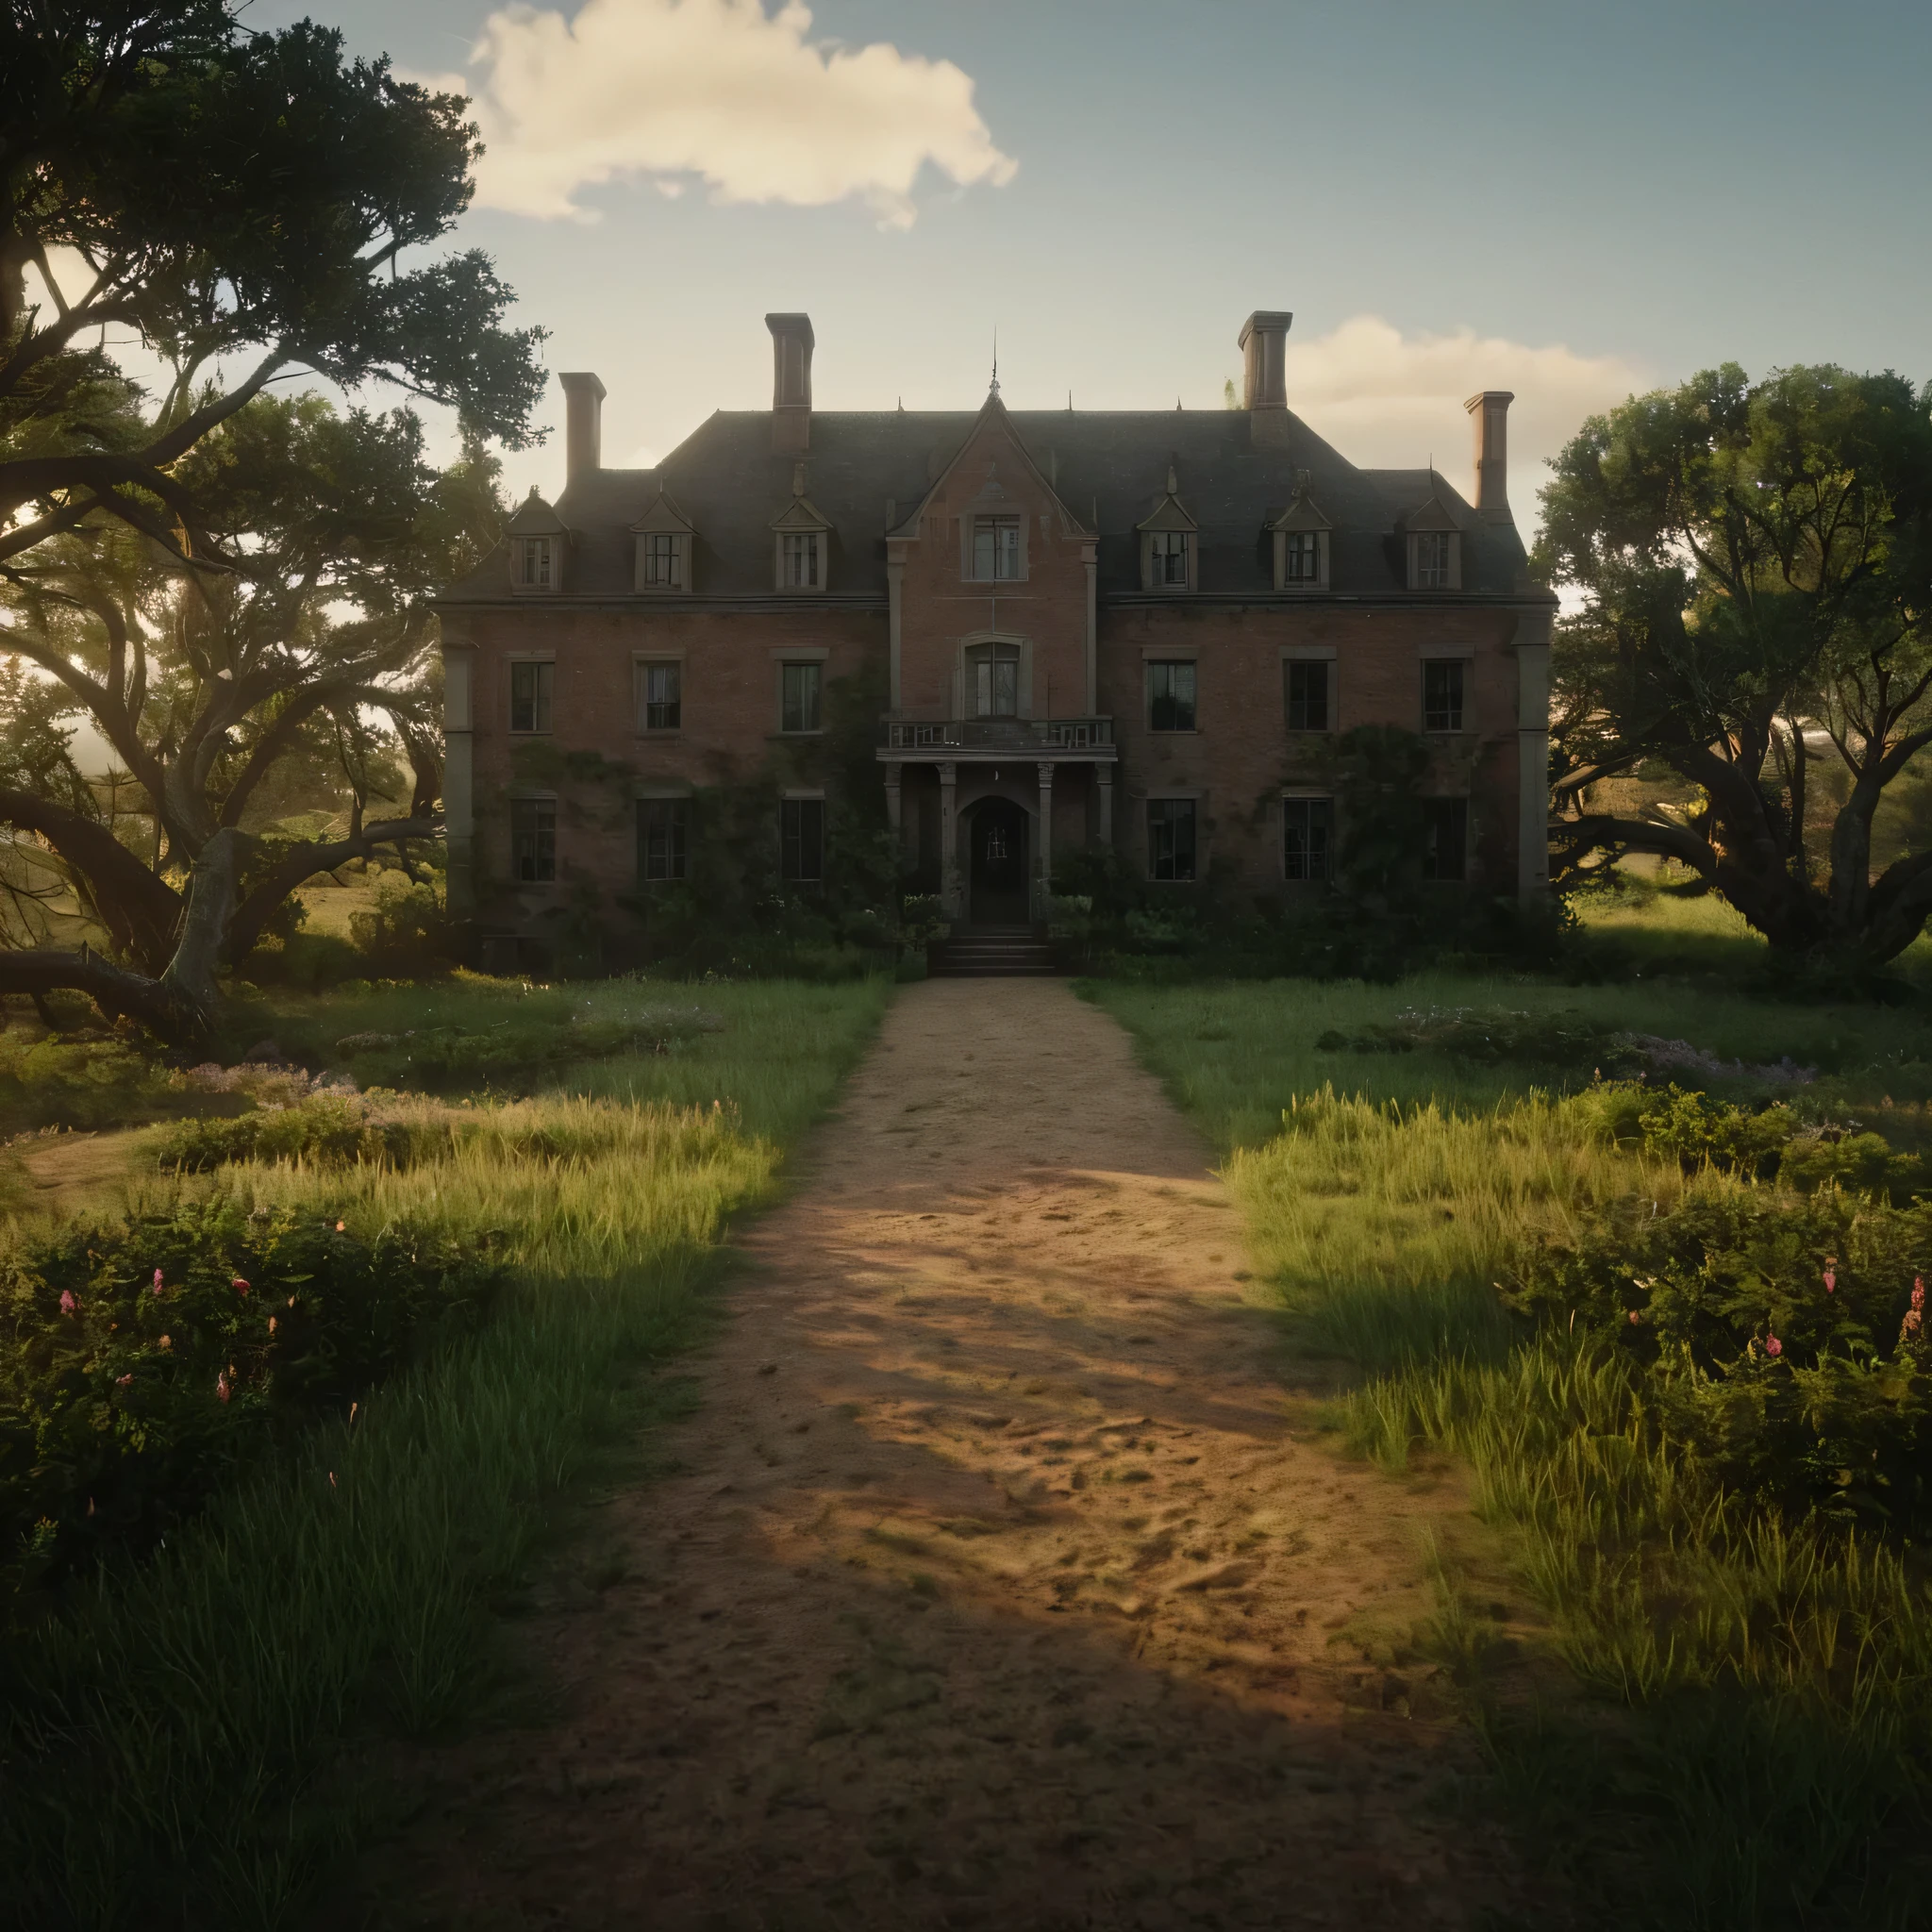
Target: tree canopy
[(1751, 569)]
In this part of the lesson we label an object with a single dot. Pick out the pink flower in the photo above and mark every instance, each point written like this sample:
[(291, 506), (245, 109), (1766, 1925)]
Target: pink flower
[(121, 1381), (1830, 1280), (221, 1386), (68, 1304), (1772, 1346), (158, 1281), (240, 1285), (1636, 1317)]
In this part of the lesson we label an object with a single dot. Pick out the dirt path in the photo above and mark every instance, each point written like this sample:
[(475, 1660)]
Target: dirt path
[(994, 1589)]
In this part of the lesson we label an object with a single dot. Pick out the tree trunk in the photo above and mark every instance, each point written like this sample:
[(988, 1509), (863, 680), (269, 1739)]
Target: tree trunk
[(191, 974)]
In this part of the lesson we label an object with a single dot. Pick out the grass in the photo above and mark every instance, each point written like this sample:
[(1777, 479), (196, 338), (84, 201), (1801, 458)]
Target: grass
[(181, 1741), (1747, 1745)]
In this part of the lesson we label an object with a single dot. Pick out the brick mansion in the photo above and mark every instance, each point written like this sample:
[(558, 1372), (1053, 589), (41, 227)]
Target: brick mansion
[(1125, 628)]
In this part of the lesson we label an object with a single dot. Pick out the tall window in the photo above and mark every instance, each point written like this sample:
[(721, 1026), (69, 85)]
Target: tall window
[(1170, 697), (660, 697), (801, 559), (1443, 694), (663, 560), (1170, 559), (535, 563), (1445, 834), (995, 675), (1303, 557), (802, 840), (530, 686), (996, 547), (1432, 561), (1306, 826), (1171, 837), (798, 697), (533, 840), (1307, 696), (663, 824)]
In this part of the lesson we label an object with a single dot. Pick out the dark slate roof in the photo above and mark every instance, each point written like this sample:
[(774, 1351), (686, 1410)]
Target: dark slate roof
[(1109, 468)]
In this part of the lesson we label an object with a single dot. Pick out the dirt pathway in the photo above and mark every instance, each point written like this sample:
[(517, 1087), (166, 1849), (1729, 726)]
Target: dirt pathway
[(994, 1588)]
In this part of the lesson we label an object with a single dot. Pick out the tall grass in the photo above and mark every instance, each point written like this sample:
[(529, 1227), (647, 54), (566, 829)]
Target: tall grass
[(181, 1743)]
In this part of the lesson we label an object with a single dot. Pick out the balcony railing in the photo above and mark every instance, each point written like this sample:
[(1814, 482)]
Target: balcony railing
[(998, 734)]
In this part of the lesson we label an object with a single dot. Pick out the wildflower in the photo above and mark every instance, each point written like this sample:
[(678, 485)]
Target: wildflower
[(1772, 1346), (221, 1386), (166, 1341), (1636, 1317), (340, 1226), (121, 1381), (240, 1285), (158, 1281), (292, 1301), (270, 1324), (1831, 1274), (68, 1304)]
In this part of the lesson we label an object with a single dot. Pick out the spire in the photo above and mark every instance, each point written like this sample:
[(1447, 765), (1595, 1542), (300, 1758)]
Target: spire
[(995, 389)]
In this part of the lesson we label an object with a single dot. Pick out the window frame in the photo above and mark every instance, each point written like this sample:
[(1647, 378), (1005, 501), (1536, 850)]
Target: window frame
[(812, 543), (644, 669), (1305, 802), (787, 666), (543, 697), (1173, 813), (996, 526), (529, 549), (676, 815), (656, 548), (983, 661), (1445, 573), (1298, 545), (1290, 668), (795, 844), (1455, 811), (1154, 699), (542, 808), (1164, 548), (1455, 713)]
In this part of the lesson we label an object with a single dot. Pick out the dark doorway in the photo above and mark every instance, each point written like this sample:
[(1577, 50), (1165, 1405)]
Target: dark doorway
[(999, 894)]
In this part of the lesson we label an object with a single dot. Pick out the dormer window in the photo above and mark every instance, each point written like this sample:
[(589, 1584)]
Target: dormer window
[(537, 546), (800, 558), (1301, 558), (1432, 559), (1168, 561), (803, 541), (1435, 547), (537, 563), (996, 548), (1301, 535), (664, 542), (1167, 544), (662, 561)]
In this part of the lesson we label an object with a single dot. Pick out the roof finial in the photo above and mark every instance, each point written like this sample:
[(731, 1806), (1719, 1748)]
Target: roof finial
[(995, 389), (798, 479), (1172, 482)]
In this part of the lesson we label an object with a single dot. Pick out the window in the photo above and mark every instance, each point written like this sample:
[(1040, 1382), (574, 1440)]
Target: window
[(1168, 549), (1306, 824), (1307, 696), (529, 696), (1302, 557), (1432, 561), (660, 697), (801, 827), (1443, 694), (1170, 697), (1171, 837), (996, 547), (798, 697), (536, 565), (663, 560), (995, 675), (663, 824), (801, 559), (533, 840), (1445, 831)]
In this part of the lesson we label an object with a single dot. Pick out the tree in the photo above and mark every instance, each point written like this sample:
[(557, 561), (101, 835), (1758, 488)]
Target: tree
[(203, 685), (1753, 565)]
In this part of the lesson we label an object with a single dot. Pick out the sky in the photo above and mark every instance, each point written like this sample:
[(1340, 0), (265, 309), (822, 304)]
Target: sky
[(1569, 201)]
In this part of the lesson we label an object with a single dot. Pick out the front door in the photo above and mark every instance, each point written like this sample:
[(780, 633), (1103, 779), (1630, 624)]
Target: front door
[(999, 864)]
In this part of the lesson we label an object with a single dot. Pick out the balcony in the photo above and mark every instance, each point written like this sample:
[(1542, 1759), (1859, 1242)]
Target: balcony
[(1091, 738)]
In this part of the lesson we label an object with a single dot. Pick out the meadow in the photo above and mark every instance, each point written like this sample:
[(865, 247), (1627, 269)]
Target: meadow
[(185, 1726), (1534, 1274)]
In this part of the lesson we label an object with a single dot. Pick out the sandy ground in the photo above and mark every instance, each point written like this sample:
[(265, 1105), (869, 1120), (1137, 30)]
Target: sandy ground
[(996, 1585)]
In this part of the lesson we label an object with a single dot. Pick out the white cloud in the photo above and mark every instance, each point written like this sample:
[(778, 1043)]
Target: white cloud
[(716, 89), (1387, 400)]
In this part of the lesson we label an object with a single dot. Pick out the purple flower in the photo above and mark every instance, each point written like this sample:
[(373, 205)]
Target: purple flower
[(68, 1304), (158, 1281)]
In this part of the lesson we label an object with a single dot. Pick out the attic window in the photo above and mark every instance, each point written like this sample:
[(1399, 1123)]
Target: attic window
[(996, 548), (662, 560), (801, 551), (1432, 561), (1302, 557), (535, 563), (1168, 555)]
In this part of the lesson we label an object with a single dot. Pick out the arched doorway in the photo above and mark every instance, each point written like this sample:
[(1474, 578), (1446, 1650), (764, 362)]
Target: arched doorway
[(998, 870)]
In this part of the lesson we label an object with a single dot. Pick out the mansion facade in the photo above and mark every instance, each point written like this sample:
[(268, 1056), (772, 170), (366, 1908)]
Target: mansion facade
[(1140, 630)]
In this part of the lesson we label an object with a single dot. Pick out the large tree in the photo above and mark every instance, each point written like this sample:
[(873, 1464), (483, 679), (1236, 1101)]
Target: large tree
[(1751, 565)]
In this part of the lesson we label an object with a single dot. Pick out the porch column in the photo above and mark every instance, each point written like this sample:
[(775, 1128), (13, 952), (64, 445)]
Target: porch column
[(1044, 891), (949, 840), (1103, 776), (893, 770)]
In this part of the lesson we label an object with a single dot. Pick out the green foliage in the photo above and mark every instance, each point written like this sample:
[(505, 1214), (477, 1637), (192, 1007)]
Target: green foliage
[(52, 1081), (1489, 1038), (407, 923)]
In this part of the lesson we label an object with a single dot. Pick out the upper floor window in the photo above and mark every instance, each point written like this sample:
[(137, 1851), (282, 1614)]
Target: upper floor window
[(1168, 559), (1301, 557), (1443, 694), (663, 827), (533, 840), (798, 696), (535, 563), (1306, 827), (996, 547), (802, 840), (660, 697), (994, 673), (1445, 834), (1170, 697), (530, 687), (660, 559), (1307, 695), (1171, 839), (1434, 560), (801, 551)]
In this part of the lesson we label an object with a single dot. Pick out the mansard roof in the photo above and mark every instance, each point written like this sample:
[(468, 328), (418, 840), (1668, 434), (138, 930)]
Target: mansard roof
[(870, 470)]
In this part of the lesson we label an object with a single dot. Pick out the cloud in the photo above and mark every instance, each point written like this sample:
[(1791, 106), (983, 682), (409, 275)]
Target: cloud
[(1390, 400), (718, 90)]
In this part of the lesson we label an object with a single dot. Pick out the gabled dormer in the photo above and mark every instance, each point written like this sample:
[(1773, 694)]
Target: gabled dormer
[(1301, 534), (1169, 543), (664, 536), (538, 547), (992, 534), (802, 539), (1432, 543)]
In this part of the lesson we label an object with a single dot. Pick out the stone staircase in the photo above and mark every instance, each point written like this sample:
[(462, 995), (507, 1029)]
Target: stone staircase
[(976, 952)]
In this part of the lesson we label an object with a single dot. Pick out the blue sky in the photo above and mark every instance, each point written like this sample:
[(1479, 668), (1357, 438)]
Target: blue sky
[(1561, 199)]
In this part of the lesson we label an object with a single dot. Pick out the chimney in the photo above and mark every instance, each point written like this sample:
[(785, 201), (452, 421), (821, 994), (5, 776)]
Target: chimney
[(1488, 414), (1262, 341), (792, 347), (583, 430)]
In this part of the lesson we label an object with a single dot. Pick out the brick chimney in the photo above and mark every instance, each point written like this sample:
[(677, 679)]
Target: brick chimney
[(1263, 343), (583, 425), (1489, 416), (792, 347)]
